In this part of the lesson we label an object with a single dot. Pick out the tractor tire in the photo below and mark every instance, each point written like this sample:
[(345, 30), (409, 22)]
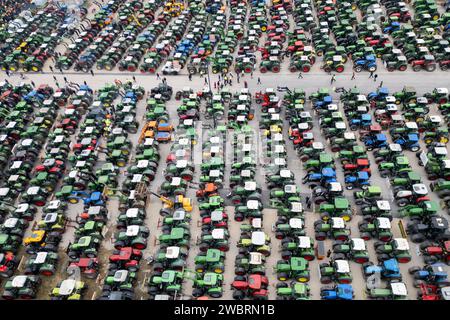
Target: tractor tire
[(263, 70), (357, 69), (430, 68), (417, 238), (325, 280), (416, 68)]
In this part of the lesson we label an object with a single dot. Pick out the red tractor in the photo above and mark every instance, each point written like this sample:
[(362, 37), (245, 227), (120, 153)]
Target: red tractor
[(433, 252), (427, 62), (88, 266), (125, 258), (8, 263), (253, 286), (208, 190)]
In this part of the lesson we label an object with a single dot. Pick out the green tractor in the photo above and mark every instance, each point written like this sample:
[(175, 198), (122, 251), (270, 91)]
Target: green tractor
[(168, 282), (249, 263), (173, 258), (209, 284), (87, 246), (23, 287), (396, 291), (339, 208), (420, 210), (134, 236), (210, 261), (298, 247), (297, 291), (397, 248), (295, 268), (333, 228), (335, 270), (372, 193), (379, 228), (122, 280), (354, 249), (43, 263), (69, 289)]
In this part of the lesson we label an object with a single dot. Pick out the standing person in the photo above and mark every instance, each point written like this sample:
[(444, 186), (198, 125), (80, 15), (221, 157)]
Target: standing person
[(375, 77), (92, 72), (206, 80), (190, 77), (259, 81), (157, 76), (22, 76), (85, 83), (237, 77), (230, 82), (333, 79), (381, 84), (33, 84), (54, 78), (245, 84), (65, 79), (215, 85), (328, 253), (7, 72), (300, 75), (164, 80), (251, 74), (353, 75), (371, 74), (51, 68), (219, 77), (134, 79), (60, 70)]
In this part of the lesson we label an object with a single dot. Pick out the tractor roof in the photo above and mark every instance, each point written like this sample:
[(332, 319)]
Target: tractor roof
[(168, 276), (19, 281), (10, 223), (132, 231), (258, 238), (349, 136), (337, 223), (420, 188), (358, 244), (439, 222), (210, 278), (401, 244), (296, 207), (304, 242), (383, 223), (256, 258), (391, 265), (213, 255), (253, 204), (296, 223), (383, 205), (335, 187), (341, 203), (218, 234), (399, 289), (132, 213), (363, 175), (445, 293), (342, 266), (442, 151)]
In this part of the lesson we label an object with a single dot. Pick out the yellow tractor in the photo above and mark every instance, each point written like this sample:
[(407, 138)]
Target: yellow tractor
[(174, 8), (180, 202)]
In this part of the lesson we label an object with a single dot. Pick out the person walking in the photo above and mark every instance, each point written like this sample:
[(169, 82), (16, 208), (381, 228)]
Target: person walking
[(65, 80), (259, 81), (92, 72), (51, 68), (353, 75), (375, 77), (85, 83), (381, 84), (333, 79), (164, 80), (300, 75), (54, 78), (33, 84), (190, 77), (251, 74), (371, 74), (134, 79), (329, 253), (61, 70), (245, 84), (157, 76), (206, 80)]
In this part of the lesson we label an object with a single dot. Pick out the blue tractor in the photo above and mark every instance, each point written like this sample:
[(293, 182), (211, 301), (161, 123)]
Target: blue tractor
[(410, 141), (93, 199), (358, 180), (326, 176), (392, 27), (362, 123), (388, 269), (323, 103), (376, 141), (379, 95), (431, 274), (338, 292), (368, 63)]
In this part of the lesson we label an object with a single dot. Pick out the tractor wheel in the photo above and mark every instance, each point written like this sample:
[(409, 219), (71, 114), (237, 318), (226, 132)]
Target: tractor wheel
[(8, 295), (263, 70), (372, 69), (430, 259), (306, 68), (416, 68), (358, 69), (282, 276), (238, 295), (339, 68), (282, 285), (216, 295), (293, 69), (402, 202), (444, 67), (321, 236), (417, 238), (402, 68)]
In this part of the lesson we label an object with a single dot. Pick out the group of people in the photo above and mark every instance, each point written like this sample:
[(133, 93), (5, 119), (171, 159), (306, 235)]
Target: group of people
[(9, 9)]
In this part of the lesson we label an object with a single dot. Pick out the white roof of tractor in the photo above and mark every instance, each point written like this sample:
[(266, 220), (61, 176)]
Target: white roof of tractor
[(10, 223), (401, 244), (337, 223), (19, 281), (258, 238), (296, 223), (290, 188), (67, 287), (442, 90), (257, 223), (395, 147), (435, 119), (132, 213), (383, 205), (384, 223), (358, 244), (285, 173), (304, 242), (441, 151), (318, 145), (172, 252), (216, 215), (250, 185), (218, 234), (252, 204), (256, 258), (420, 188), (132, 231), (342, 266), (335, 187), (399, 289), (120, 275), (40, 257), (296, 207)]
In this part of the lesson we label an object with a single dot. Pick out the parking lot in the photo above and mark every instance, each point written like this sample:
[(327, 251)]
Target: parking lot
[(256, 83)]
